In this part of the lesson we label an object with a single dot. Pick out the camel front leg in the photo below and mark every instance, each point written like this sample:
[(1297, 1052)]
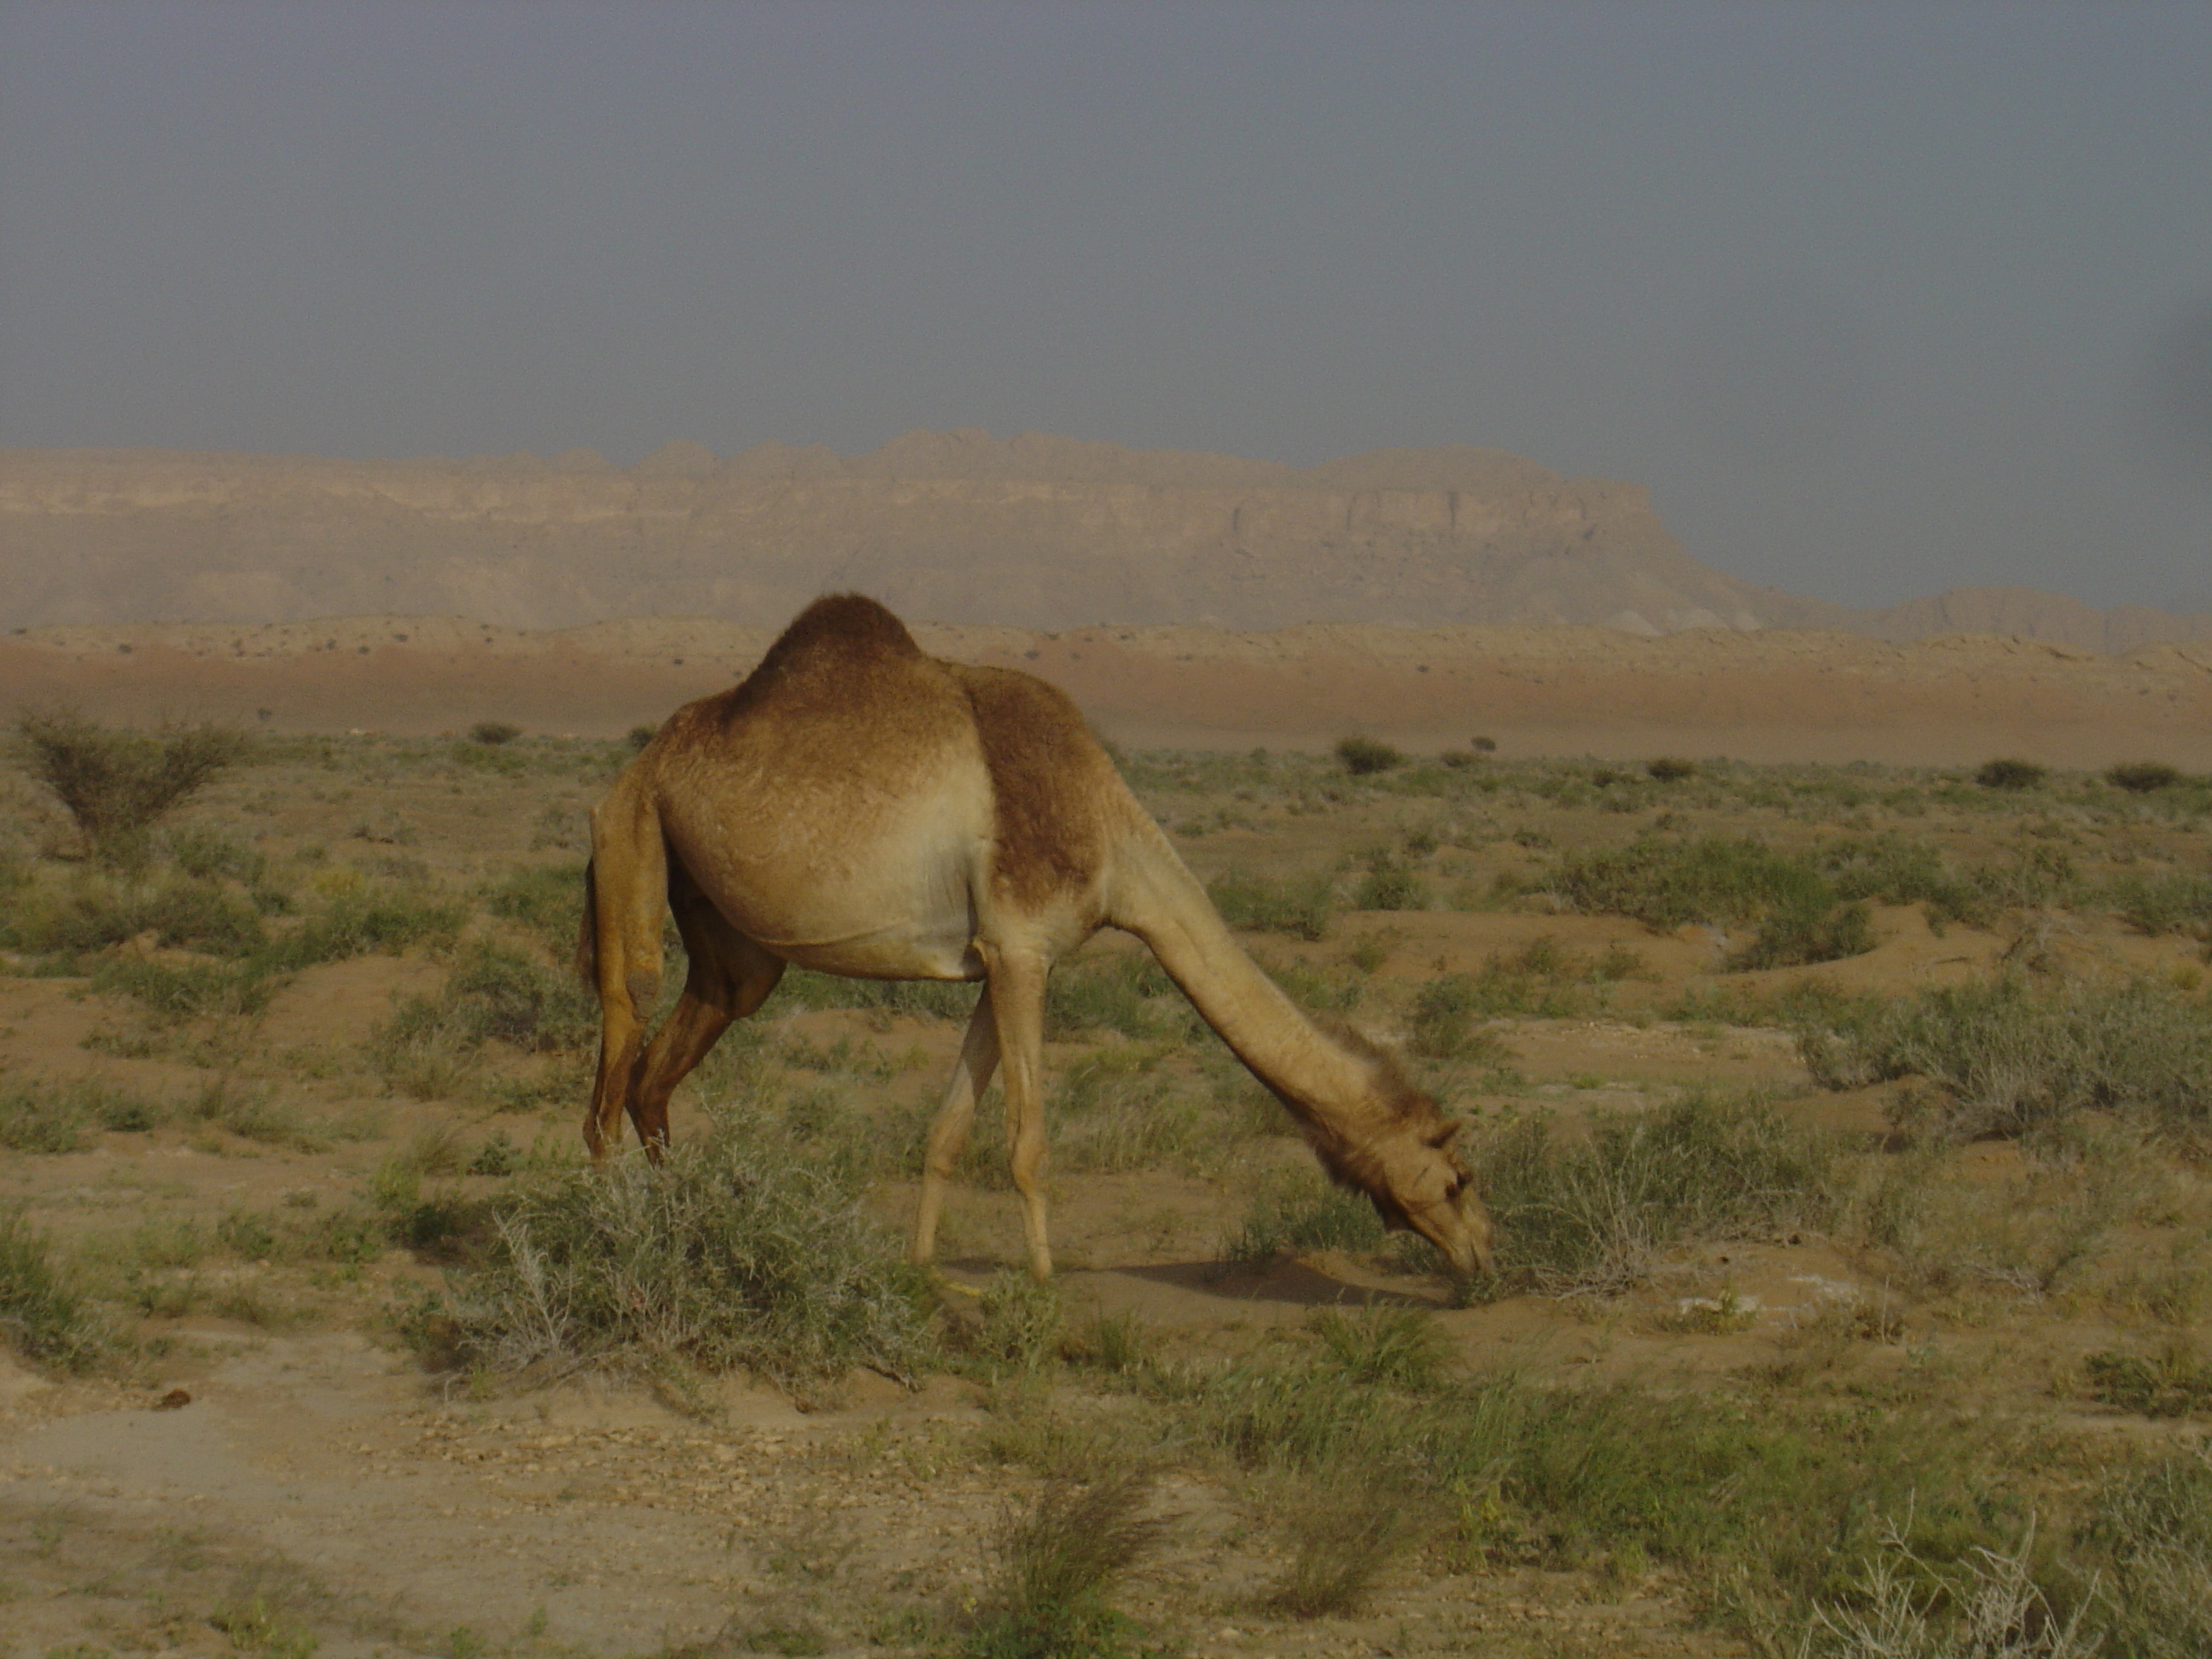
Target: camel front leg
[(1016, 992), (948, 1133)]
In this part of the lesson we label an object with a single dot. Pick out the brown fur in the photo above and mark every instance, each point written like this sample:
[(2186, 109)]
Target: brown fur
[(1033, 738)]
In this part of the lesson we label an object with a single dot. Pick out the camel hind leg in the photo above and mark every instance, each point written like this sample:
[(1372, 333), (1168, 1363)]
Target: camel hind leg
[(729, 977), (628, 891), (948, 1133)]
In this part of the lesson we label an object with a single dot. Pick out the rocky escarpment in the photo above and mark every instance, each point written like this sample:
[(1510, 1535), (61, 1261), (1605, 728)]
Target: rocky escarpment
[(1031, 533)]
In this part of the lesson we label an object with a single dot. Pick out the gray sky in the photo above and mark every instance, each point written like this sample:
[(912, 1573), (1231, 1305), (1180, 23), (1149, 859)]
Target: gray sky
[(1877, 299)]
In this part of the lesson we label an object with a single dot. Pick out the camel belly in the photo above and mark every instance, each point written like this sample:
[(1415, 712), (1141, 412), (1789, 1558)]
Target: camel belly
[(903, 910)]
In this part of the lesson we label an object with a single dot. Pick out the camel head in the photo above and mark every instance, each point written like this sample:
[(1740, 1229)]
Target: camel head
[(1400, 1152)]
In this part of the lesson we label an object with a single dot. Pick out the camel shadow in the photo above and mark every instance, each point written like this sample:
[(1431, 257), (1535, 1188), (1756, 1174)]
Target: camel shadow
[(1290, 1284)]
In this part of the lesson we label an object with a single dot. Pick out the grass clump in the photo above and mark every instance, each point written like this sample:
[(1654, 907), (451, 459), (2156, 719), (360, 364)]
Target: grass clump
[(116, 786), (1300, 906), (98, 911), (739, 1251), (1671, 768), (2149, 1539), (64, 1118), (43, 1316), (1665, 883), (1387, 883), (1600, 1212), (1384, 1346), (1989, 1606), (1296, 1211), (546, 898), (1346, 1524), (493, 733), (1125, 991), (2173, 1382), (2003, 1055), (2177, 902), (1059, 1556)]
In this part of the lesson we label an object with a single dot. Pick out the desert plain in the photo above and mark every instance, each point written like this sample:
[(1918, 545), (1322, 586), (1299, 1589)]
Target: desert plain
[(1842, 1107)]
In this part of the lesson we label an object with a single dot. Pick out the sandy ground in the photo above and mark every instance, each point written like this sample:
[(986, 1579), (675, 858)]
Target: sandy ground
[(1777, 695)]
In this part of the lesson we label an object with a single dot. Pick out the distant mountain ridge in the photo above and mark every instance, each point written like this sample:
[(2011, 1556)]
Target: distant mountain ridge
[(1033, 532)]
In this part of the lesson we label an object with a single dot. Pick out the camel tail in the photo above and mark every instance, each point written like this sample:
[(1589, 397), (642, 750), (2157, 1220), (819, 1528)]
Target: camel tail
[(587, 933)]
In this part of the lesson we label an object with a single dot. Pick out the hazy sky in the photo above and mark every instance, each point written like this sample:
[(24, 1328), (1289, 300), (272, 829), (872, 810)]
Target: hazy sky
[(1876, 299)]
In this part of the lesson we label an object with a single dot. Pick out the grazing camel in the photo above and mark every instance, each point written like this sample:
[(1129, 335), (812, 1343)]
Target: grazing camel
[(857, 807)]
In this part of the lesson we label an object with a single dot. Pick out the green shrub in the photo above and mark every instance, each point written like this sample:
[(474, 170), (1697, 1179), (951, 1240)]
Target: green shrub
[(1443, 1015), (547, 898), (95, 912), (2173, 1383), (1389, 885), (493, 733), (1600, 1211), (1301, 906), (639, 736), (1671, 768), (738, 1250), (2176, 902), (116, 786), (1364, 756), (1800, 937), (1664, 884), (189, 990), (2011, 773), (2143, 777), (208, 854), (357, 924), (2002, 1056)]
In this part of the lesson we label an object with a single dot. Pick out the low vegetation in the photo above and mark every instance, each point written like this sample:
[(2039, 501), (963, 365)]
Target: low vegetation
[(116, 786)]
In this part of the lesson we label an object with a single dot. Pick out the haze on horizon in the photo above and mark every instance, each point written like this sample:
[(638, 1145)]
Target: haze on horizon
[(1877, 300)]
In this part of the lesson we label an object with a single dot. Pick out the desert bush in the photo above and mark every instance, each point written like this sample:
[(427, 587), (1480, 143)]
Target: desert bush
[(493, 733), (2176, 902), (1388, 884), (492, 994), (546, 898), (1899, 869), (1364, 756), (43, 1315), (737, 1251), (2148, 1539), (1058, 1556), (2143, 777), (1671, 768), (116, 786), (386, 920), (1599, 1212), (639, 736), (172, 992), (96, 911), (1664, 884), (1443, 1016), (1793, 938), (2002, 1055), (2011, 773), (1301, 906)]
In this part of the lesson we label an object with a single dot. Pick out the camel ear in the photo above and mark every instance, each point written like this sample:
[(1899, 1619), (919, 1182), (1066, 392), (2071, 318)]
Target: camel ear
[(1444, 1135)]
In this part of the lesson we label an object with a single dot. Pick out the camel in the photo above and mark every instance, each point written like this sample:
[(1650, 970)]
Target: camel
[(857, 807)]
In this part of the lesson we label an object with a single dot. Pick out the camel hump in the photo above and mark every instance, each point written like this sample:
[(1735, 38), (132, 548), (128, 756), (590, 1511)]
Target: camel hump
[(842, 627)]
